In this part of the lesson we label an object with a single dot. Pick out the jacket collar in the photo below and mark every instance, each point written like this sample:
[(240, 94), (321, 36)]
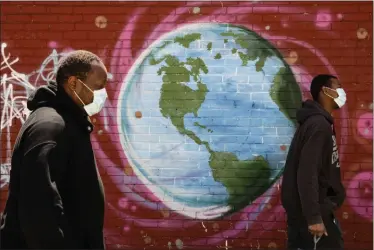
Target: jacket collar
[(65, 104)]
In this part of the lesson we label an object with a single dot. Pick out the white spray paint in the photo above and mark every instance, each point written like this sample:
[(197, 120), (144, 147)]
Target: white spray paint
[(179, 243)]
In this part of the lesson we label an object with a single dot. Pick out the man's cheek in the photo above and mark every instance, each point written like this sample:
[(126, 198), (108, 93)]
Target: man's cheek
[(88, 97), (333, 93)]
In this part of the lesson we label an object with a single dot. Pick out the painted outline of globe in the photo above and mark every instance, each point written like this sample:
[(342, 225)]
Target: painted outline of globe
[(217, 103)]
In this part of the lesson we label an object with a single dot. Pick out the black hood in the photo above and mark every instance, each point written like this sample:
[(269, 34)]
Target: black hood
[(311, 108), (53, 95), (43, 96)]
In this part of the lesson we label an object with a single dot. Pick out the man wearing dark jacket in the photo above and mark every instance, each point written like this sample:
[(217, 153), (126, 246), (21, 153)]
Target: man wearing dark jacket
[(312, 188), (56, 197)]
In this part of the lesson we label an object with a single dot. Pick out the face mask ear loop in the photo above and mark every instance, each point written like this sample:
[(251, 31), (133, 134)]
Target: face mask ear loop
[(328, 94), (85, 85), (79, 98)]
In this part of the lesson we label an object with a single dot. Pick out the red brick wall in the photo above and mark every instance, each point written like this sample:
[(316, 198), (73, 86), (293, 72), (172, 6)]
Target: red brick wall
[(313, 37)]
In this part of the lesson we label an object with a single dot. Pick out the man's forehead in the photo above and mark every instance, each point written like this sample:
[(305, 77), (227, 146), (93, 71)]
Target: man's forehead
[(98, 66), (335, 81), (99, 71)]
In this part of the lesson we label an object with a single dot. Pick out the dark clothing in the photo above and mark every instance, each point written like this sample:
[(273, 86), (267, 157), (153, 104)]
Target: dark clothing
[(311, 187), (300, 238), (56, 197)]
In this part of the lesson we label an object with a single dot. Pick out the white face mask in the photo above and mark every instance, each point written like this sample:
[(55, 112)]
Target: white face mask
[(99, 98), (342, 97)]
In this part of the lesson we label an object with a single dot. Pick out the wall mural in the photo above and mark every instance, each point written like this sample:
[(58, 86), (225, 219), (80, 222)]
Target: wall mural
[(192, 141)]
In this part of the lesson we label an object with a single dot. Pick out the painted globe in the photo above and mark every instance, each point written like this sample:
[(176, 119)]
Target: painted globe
[(206, 114)]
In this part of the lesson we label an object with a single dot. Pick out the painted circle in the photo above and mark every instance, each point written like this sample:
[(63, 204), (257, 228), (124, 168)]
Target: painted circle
[(292, 57), (101, 22), (365, 126), (138, 114), (323, 19), (196, 10), (361, 196), (362, 33), (180, 127)]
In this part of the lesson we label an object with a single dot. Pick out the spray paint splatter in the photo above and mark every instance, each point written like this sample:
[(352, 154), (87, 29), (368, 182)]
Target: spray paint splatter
[(101, 22), (147, 240), (52, 44), (272, 245), (365, 125), (123, 203), (138, 114), (362, 33), (215, 227), (165, 212), (179, 243), (126, 229), (323, 20), (292, 57), (196, 10)]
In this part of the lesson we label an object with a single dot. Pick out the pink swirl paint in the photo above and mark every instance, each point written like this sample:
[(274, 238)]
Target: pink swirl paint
[(365, 126), (323, 19), (361, 197)]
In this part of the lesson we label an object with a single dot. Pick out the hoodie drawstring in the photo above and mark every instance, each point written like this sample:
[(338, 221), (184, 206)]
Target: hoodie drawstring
[(316, 239)]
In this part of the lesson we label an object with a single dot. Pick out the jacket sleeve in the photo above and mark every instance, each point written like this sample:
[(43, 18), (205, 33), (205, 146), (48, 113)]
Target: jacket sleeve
[(336, 192), (310, 163), (41, 211)]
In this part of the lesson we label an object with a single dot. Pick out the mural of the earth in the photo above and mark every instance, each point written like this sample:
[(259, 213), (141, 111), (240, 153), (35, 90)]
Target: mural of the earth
[(217, 106)]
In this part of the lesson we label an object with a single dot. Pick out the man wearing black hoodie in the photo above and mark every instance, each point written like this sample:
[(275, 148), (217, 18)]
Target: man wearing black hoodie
[(56, 197), (312, 188)]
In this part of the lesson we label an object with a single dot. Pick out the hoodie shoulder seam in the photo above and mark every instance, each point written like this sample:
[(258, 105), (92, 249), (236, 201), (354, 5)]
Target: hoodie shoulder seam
[(320, 122)]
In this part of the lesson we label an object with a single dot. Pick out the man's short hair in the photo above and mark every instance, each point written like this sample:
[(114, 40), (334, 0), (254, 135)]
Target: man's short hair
[(76, 63), (318, 82)]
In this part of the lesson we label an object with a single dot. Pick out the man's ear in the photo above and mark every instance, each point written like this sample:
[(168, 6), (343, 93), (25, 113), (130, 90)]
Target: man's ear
[(72, 83), (330, 92)]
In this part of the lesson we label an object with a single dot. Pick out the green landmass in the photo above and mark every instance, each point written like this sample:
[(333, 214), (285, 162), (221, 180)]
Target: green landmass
[(166, 43), (244, 180), (225, 40), (233, 51), (186, 40), (218, 56), (177, 99), (254, 49), (209, 46), (202, 126), (245, 58), (285, 91)]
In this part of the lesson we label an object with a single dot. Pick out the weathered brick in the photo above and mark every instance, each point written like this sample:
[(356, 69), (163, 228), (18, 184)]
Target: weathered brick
[(323, 38)]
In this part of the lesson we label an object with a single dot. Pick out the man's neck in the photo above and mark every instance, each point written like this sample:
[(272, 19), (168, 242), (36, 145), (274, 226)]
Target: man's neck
[(328, 108)]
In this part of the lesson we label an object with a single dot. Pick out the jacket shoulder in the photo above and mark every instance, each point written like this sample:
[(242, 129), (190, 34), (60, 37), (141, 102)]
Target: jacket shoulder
[(48, 120), (319, 122), (44, 125)]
